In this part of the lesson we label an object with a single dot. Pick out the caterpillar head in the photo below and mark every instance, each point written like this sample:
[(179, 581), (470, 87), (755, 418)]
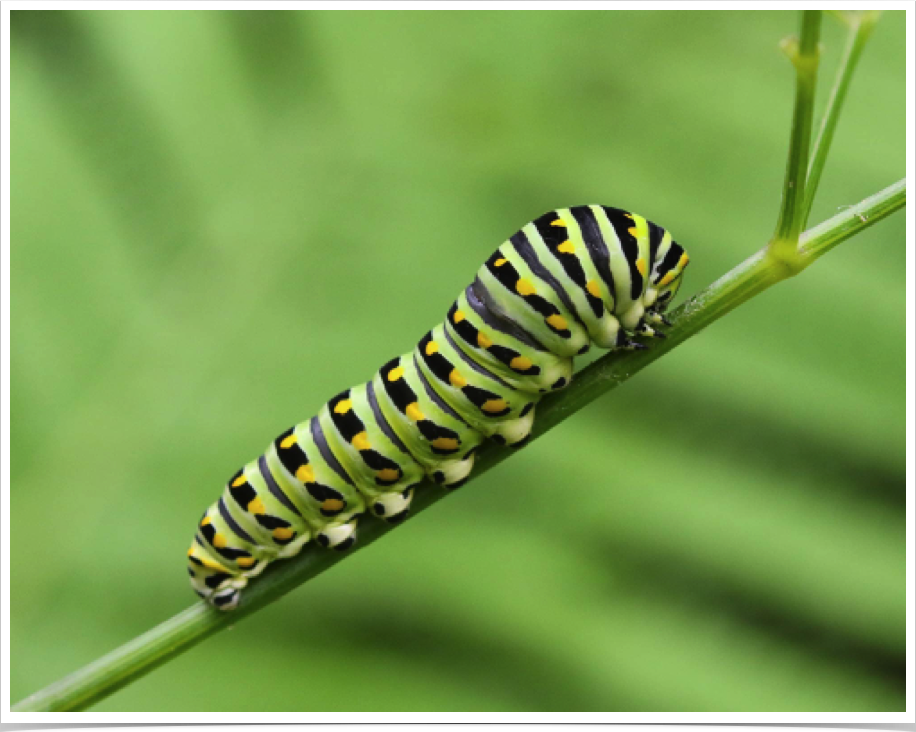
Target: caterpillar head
[(666, 275)]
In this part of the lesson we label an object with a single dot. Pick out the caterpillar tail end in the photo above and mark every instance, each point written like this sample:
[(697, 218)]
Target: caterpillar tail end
[(217, 589), (226, 600)]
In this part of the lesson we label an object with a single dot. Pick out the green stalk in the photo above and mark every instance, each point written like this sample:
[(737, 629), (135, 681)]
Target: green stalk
[(860, 25), (804, 55), (144, 653)]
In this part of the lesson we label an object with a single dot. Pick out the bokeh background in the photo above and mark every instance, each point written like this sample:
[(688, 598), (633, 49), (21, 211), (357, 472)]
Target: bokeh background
[(222, 218)]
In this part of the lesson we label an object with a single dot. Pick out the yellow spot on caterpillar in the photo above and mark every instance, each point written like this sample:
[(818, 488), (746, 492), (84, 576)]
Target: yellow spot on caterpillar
[(593, 289), (483, 340), (343, 406), (219, 541), (431, 348), (288, 442), (500, 262), (245, 562), (666, 279), (494, 405), (205, 521), (567, 247), (683, 260), (396, 373), (241, 480), (641, 266), (413, 411), (256, 506), (558, 222), (629, 216), (306, 474), (558, 322), (520, 363), (457, 380), (332, 504), (458, 316), (210, 564), (445, 443), (361, 441), (388, 474), (283, 532), (633, 231), (524, 288)]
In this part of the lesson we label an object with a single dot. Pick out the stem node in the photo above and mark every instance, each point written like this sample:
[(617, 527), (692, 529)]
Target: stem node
[(784, 255)]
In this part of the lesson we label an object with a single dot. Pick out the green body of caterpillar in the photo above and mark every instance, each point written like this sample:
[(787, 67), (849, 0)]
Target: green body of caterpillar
[(586, 274)]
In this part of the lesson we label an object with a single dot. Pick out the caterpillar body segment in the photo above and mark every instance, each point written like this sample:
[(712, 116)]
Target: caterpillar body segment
[(569, 279), (374, 460), (433, 433), (527, 366), (531, 300)]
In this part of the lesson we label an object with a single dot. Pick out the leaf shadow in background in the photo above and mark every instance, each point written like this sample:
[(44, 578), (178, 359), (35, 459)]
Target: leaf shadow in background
[(529, 677), (665, 577)]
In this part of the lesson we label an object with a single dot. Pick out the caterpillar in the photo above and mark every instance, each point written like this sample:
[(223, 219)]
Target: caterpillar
[(571, 278)]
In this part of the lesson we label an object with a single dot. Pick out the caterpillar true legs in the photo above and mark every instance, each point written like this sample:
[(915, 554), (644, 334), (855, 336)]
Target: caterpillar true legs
[(573, 277)]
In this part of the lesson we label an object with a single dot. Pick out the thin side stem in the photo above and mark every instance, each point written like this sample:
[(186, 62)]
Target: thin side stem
[(860, 28), (138, 657), (825, 236), (805, 56)]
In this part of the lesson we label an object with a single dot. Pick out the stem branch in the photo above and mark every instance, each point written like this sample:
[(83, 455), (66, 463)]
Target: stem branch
[(804, 55), (860, 28)]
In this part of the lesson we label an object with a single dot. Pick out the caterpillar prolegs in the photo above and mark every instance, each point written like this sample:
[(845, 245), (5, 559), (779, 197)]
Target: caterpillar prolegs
[(574, 276)]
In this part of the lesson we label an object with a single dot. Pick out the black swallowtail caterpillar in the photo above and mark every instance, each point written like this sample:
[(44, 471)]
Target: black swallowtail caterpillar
[(574, 276)]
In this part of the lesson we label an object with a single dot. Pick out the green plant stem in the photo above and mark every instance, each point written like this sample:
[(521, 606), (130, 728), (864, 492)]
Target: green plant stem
[(805, 56), (138, 657), (825, 236), (860, 28)]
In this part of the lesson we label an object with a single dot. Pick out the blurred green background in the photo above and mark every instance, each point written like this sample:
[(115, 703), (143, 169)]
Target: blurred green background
[(223, 218)]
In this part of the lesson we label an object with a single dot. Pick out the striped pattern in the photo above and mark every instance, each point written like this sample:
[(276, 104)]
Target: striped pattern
[(571, 278)]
